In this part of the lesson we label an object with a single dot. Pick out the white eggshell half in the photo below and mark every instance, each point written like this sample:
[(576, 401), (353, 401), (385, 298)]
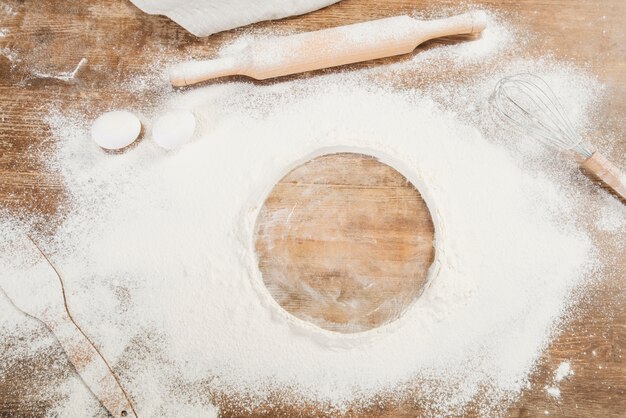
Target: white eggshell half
[(174, 128), (115, 130)]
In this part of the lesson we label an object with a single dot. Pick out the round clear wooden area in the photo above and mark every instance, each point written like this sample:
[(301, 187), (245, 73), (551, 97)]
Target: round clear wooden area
[(345, 242)]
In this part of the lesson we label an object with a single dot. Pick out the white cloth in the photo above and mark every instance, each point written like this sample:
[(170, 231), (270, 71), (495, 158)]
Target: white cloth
[(205, 17)]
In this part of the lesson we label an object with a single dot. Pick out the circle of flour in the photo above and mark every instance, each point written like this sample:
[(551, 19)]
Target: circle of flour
[(174, 128), (167, 279), (116, 129)]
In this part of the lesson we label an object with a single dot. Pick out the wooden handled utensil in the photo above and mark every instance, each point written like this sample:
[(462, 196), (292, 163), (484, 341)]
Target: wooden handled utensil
[(279, 56), (605, 171), (37, 290), (528, 102)]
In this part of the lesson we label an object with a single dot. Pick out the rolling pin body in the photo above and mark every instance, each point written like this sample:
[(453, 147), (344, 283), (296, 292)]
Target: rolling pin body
[(279, 56)]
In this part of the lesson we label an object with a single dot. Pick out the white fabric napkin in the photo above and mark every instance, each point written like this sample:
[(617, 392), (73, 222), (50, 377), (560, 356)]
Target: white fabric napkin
[(205, 17)]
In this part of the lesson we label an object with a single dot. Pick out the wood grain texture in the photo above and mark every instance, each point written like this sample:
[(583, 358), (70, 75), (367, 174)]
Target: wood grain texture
[(345, 242), (45, 38)]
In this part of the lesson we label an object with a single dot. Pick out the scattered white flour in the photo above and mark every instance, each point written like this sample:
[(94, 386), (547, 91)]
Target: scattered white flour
[(8, 10), (63, 76), (612, 217), (554, 392), (156, 248), (563, 371), (9, 54)]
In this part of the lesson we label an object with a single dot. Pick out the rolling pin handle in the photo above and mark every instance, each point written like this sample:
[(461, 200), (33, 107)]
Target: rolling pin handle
[(466, 23), (192, 72), (479, 21)]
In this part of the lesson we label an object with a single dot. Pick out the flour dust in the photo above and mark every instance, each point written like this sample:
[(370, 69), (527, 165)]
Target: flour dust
[(156, 249)]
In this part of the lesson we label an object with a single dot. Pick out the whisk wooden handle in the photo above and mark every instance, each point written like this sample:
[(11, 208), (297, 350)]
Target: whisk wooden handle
[(279, 56), (606, 172)]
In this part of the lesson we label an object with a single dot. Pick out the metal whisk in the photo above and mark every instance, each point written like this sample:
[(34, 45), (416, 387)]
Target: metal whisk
[(529, 103)]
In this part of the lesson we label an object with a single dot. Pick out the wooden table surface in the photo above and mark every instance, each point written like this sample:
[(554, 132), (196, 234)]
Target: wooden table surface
[(46, 38), (345, 242)]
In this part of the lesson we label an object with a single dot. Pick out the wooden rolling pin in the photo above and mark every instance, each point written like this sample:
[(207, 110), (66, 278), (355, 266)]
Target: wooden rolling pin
[(279, 56)]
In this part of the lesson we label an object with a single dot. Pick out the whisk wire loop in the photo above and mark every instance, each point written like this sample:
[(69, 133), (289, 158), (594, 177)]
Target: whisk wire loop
[(529, 103)]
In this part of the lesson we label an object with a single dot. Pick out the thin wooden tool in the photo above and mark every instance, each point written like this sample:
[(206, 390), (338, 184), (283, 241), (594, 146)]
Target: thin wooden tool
[(39, 292), (279, 56), (529, 103), (605, 171)]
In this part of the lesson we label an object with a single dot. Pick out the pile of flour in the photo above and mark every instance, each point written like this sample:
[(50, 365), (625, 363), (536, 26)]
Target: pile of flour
[(156, 248)]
